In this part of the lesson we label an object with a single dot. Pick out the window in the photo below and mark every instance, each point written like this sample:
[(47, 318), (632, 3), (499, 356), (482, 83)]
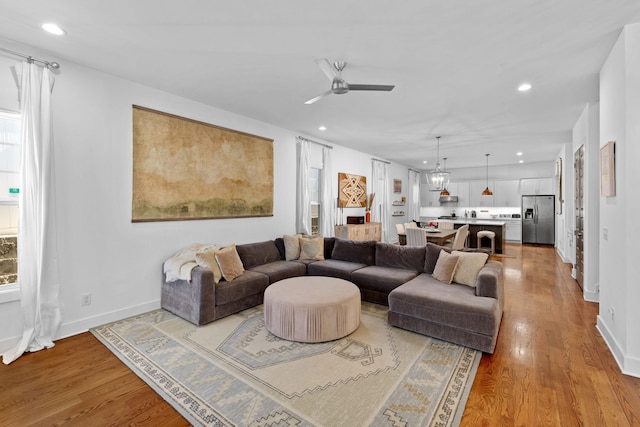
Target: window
[(9, 179), (314, 183)]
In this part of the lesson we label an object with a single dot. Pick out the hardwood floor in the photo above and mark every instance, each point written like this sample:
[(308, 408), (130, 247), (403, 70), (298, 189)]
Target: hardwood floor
[(550, 367)]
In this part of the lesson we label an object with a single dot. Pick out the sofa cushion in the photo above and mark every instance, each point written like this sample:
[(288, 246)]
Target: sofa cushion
[(329, 243), (381, 279), (454, 305), (206, 257), (291, 247), (361, 252), (311, 248), (249, 283), (229, 262), (445, 267), (395, 256), (254, 254), (469, 265), (334, 268), (432, 252), (279, 270)]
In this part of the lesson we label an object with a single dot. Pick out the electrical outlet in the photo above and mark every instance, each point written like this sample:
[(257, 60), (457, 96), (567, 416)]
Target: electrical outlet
[(85, 299), (612, 312), (605, 233)]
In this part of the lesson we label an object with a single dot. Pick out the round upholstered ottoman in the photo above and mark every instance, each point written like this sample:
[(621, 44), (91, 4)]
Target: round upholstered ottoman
[(312, 308)]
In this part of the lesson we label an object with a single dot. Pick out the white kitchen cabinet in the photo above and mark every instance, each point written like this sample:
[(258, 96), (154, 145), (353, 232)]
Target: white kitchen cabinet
[(537, 186), (506, 193), (476, 199), (513, 230), (461, 189)]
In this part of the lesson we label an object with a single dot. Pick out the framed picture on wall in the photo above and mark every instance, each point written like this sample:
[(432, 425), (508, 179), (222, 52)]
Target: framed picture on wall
[(397, 186), (608, 169)]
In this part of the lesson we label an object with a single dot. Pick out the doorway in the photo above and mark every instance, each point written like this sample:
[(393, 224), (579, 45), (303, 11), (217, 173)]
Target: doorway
[(579, 210)]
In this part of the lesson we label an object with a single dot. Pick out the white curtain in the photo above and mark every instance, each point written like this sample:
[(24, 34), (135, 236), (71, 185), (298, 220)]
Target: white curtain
[(326, 194), (37, 242), (381, 188), (303, 189), (413, 204)]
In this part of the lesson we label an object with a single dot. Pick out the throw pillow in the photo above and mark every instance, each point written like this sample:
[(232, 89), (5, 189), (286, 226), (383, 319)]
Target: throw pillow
[(469, 264), (445, 267), (312, 248), (229, 262), (206, 257), (291, 247)]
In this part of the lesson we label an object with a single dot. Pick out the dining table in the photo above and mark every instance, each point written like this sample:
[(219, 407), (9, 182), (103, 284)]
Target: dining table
[(439, 236), (434, 235)]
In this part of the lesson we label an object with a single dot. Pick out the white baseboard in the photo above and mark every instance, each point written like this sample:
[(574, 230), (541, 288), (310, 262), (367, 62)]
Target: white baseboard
[(591, 296), (83, 325), (628, 365)]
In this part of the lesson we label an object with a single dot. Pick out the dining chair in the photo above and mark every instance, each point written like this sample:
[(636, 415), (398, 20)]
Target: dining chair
[(416, 236), (460, 239)]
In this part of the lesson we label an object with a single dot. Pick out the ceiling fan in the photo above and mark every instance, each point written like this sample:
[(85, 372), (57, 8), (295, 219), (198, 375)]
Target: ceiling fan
[(338, 85)]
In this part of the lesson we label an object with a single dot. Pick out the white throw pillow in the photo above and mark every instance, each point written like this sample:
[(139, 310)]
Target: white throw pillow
[(291, 247), (469, 265)]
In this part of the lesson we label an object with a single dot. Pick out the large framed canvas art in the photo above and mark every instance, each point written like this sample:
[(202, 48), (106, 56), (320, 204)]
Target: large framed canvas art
[(184, 169)]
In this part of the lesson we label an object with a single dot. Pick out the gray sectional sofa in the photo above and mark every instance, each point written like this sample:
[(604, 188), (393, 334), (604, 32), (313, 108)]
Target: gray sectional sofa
[(396, 276)]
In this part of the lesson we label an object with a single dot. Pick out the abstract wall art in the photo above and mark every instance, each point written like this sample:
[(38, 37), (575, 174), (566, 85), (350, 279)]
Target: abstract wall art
[(352, 190)]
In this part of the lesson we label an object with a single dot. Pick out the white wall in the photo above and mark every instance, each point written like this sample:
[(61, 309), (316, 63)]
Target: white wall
[(101, 251), (619, 317)]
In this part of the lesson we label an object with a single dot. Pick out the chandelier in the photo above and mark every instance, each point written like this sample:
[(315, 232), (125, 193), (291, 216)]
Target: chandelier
[(438, 179)]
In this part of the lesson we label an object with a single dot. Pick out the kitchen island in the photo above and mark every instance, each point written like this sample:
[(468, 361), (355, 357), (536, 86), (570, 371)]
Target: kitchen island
[(476, 225)]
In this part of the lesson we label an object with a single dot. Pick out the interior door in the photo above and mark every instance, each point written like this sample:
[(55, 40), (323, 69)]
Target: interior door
[(579, 212)]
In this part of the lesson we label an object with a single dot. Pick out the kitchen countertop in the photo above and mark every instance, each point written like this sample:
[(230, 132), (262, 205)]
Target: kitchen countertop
[(476, 221)]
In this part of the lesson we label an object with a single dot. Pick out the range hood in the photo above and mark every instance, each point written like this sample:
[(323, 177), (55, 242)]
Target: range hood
[(448, 199)]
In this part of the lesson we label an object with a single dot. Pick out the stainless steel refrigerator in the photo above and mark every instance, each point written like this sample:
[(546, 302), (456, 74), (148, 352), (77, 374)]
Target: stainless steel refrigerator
[(538, 220)]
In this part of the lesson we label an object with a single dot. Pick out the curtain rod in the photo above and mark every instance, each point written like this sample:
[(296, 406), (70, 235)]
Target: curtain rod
[(315, 142), (381, 161), (29, 58)]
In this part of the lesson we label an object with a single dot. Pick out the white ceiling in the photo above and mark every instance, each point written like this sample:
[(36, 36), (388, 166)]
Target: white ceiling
[(455, 65)]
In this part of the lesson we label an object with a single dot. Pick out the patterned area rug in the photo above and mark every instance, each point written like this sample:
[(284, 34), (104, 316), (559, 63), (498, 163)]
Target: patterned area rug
[(233, 372)]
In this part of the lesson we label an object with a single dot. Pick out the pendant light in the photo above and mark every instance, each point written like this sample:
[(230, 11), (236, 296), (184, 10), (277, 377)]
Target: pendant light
[(486, 191), (445, 192), (437, 178)]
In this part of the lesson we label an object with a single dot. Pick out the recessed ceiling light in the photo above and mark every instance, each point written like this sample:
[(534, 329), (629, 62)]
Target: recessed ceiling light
[(524, 87), (425, 162), (322, 128), (52, 28), (520, 161), (519, 153)]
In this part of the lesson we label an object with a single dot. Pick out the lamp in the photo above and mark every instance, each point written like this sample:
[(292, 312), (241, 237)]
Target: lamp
[(445, 192), (437, 178), (486, 191)]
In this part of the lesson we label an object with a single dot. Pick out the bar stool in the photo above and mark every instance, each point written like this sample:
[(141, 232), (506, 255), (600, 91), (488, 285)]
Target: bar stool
[(490, 235)]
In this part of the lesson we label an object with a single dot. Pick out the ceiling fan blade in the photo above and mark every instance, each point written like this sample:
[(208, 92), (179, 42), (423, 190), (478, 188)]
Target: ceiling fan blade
[(327, 69), (385, 88), (319, 97)]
